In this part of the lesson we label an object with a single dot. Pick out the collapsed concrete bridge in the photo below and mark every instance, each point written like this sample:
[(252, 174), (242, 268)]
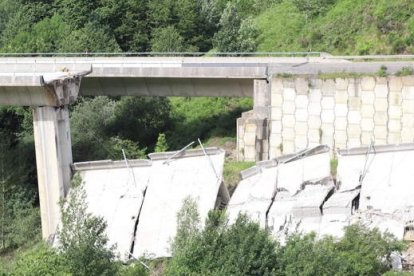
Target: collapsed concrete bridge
[(50, 85)]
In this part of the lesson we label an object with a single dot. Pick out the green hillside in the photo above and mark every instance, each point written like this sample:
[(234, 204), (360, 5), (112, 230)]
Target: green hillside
[(345, 27)]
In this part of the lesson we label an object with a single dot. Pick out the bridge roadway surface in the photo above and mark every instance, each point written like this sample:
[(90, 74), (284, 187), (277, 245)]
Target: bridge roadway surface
[(165, 76)]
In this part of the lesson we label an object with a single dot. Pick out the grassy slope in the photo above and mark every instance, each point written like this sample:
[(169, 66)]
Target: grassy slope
[(348, 27)]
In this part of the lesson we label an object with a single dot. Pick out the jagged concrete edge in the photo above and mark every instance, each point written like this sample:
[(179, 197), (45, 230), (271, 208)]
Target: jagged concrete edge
[(187, 153), (376, 149), (109, 164), (283, 159)]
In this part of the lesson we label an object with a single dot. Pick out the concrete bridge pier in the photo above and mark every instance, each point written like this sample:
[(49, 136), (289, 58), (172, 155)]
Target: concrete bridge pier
[(53, 158), (253, 128), (49, 95)]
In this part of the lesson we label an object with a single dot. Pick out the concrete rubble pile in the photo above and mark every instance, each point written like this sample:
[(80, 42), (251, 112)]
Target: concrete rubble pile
[(139, 199), (296, 194), (282, 193)]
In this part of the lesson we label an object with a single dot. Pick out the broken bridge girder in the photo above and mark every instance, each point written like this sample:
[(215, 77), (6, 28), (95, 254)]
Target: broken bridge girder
[(48, 89)]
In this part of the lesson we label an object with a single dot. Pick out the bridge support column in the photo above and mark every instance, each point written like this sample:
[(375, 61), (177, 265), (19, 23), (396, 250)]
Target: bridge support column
[(53, 158), (253, 128)]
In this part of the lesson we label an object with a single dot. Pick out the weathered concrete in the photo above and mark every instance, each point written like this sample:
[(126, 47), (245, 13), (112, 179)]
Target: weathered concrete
[(383, 174), (140, 199), (52, 89), (53, 159), (258, 192), (50, 94), (115, 191), (192, 175), (144, 76), (253, 128), (342, 113)]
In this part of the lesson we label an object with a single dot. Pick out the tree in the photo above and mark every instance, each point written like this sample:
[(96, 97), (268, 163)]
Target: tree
[(19, 221), (161, 145), (82, 239), (128, 19), (225, 40), (235, 34), (90, 121), (90, 38), (43, 36), (188, 225), (132, 150), (240, 249), (360, 252), (141, 119), (248, 34), (77, 13), (167, 40)]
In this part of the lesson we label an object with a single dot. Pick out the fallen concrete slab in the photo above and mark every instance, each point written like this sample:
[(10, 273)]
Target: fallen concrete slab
[(115, 192), (337, 213), (279, 179), (388, 175), (174, 178), (384, 174), (139, 199), (310, 200), (254, 193), (300, 213)]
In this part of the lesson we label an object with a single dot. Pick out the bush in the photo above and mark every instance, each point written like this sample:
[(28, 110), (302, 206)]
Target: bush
[(161, 143), (240, 249), (82, 239), (244, 249), (41, 260), (134, 269), (360, 252), (405, 71)]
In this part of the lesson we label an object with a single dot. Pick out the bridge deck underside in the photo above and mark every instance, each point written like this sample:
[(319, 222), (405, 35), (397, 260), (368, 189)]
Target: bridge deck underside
[(187, 87)]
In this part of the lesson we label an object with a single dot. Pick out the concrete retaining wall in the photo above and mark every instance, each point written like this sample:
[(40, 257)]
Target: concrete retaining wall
[(340, 112)]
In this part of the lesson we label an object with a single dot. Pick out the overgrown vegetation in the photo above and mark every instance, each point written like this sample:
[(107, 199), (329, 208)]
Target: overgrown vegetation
[(338, 26), (242, 248), (81, 247), (231, 173)]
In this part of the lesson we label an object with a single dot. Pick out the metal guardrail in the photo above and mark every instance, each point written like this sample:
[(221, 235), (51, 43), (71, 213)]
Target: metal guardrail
[(215, 54), (166, 54)]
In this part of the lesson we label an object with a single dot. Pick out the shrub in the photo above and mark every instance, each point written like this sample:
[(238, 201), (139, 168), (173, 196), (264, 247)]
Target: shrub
[(41, 260), (243, 248), (240, 249), (360, 252), (161, 143), (405, 71), (82, 239)]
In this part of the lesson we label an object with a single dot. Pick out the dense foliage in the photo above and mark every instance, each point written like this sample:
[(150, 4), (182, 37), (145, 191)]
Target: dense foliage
[(242, 248), (80, 247), (108, 26), (335, 26), (338, 26)]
